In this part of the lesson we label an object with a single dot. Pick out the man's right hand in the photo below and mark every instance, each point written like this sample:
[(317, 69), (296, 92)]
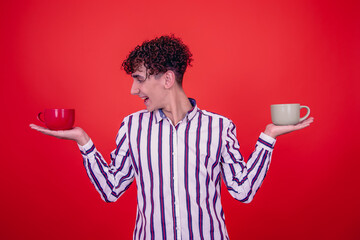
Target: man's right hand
[(76, 134)]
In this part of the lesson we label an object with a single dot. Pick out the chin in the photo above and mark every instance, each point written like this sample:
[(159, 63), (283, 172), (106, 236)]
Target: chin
[(150, 109)]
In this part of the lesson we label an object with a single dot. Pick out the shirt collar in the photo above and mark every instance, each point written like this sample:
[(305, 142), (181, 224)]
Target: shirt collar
[(160, 115)]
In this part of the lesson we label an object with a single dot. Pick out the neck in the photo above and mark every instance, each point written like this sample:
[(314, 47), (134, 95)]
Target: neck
[(178, 106)]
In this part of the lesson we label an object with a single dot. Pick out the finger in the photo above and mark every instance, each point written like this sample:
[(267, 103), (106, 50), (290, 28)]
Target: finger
[(308, 120), (44, 130), (39, 128), (304, 123), (36, 127)]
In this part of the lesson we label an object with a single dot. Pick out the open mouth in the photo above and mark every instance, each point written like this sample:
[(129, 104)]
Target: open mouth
[(146, 99)]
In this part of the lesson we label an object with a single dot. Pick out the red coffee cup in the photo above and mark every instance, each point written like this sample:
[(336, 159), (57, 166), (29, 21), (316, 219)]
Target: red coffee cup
[(58, 118)]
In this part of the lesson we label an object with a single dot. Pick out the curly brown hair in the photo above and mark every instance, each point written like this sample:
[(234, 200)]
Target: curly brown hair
[(160, 55)]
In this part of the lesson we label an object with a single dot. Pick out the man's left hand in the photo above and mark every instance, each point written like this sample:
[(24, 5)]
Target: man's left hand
[(274, 131)]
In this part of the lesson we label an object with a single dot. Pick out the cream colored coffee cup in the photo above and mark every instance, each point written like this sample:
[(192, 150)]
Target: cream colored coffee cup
[(287, 114)]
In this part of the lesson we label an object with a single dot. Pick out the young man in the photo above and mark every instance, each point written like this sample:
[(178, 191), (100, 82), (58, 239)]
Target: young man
[(177, 153)]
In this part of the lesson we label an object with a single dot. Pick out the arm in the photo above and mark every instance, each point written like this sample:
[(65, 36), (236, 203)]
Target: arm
[(109, 180), (243, 179)]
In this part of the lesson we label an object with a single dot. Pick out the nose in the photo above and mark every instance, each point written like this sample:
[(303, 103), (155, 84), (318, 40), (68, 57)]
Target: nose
[(134, 88)]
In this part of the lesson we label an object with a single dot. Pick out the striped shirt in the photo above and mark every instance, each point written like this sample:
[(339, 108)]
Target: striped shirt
[(178, 171)]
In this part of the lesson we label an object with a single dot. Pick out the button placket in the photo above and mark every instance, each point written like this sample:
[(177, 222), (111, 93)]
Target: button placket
[(175, 179)]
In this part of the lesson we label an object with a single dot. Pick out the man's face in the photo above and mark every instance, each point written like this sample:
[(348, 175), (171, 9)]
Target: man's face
[(149, 88)]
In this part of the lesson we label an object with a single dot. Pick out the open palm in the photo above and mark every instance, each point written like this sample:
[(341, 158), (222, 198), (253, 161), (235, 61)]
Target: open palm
[(76, 134), (274, 130)]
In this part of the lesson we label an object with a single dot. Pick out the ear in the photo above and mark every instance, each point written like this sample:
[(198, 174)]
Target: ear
[(169, 79)]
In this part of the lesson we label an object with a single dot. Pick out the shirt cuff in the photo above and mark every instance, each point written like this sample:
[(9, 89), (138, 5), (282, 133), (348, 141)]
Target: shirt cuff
[(88, 148), (266, 141)]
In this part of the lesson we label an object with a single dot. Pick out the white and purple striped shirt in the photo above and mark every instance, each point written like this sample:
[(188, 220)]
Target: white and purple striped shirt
[(178, 171)]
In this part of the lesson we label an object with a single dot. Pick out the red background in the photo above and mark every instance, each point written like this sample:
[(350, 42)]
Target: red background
[(248, 55)]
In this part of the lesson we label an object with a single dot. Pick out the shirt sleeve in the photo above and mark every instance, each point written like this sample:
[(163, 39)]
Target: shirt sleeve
[(112, 180), (243, 179)]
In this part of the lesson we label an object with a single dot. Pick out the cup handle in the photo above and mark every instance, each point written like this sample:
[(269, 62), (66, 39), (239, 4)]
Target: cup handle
[(39, 117), (307, 114)]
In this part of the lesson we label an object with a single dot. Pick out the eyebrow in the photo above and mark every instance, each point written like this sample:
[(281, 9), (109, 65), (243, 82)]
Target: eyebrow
[(137, 76)]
